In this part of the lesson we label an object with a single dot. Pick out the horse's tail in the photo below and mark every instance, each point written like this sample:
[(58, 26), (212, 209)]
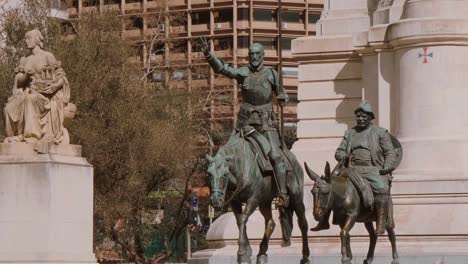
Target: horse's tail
[(296, 189), (297, 177)]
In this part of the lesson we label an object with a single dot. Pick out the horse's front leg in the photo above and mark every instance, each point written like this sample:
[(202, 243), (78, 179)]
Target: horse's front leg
[(346, 254), (392, 237), (302, 221), (265, 209), (372, 241), (245, 251)]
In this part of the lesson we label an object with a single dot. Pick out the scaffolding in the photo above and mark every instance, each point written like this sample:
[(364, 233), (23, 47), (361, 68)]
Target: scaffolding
[(230, 25)]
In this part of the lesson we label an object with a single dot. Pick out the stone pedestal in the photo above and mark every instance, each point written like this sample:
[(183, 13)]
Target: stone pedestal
[(341, 17), (46, 205)]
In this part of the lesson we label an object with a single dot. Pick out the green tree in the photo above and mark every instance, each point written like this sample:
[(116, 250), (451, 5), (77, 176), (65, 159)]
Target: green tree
[(137, 134)]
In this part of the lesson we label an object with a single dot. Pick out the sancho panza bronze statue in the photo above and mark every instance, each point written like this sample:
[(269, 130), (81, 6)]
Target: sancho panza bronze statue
[(256, 118), (366, 158), (368, 153)]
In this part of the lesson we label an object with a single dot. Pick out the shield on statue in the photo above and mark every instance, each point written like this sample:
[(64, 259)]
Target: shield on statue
[(398, 151)]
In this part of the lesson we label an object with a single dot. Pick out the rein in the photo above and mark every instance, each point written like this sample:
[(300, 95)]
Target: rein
[(236, 191), (239, 181)]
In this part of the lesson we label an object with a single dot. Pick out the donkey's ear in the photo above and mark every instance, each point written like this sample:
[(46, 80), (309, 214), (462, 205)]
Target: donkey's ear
[(312, 175), (327, 172), (209, 158)]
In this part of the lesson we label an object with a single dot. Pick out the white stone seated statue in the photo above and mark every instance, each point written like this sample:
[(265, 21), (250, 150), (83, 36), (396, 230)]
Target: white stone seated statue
[(40, 103)]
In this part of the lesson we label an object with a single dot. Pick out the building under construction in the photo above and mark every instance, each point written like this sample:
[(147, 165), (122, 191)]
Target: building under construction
[(230, 25)]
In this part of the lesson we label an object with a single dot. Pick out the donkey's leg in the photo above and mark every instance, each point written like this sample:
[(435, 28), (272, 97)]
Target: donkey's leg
[(302, 221), (348, 247), (346, 254), (372, 241), (265, 209), (245, 250), (392, 237)]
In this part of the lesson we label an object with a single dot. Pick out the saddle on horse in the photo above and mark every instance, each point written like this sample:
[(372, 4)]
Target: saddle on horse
[(262, 148)]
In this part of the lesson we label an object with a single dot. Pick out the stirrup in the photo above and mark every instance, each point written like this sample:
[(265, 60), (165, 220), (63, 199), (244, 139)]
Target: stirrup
[(282, 201)]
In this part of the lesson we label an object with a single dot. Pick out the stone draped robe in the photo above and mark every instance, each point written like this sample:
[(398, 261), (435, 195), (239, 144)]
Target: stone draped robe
[(31, 114)]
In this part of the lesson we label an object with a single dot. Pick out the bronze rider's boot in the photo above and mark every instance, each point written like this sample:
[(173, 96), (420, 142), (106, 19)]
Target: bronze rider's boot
[(280, 171), (381, 210), (323, 224)]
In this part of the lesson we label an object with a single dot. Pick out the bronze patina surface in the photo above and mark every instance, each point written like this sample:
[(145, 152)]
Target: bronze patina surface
[(358, 189), (235, 167)]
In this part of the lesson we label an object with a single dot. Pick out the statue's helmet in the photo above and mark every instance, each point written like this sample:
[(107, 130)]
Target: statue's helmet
[(365, 107)]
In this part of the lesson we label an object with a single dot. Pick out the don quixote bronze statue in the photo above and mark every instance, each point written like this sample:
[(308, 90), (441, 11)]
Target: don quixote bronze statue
[(254, 165)]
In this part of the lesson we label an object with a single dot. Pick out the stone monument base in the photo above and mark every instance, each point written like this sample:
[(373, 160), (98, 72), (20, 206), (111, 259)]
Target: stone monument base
[(324, 246), (46, 205), (325, 250)]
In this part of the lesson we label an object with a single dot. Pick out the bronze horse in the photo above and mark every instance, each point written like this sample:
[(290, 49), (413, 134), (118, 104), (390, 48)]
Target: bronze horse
[(235, 169), (335, 192)]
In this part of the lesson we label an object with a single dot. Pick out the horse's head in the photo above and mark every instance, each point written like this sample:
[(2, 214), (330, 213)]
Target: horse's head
[(321, 191), (218, 171)]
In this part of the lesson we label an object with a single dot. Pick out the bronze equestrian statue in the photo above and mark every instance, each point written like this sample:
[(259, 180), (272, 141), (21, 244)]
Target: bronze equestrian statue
[(234, 169), (358, 189), (256, 118), (243, 165)]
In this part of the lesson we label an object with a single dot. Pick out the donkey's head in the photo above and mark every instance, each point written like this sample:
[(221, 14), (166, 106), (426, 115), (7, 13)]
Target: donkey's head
[(218, 171), (321, 191)]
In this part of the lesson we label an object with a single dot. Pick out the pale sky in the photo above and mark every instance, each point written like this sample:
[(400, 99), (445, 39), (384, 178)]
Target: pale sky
[(11, 3)]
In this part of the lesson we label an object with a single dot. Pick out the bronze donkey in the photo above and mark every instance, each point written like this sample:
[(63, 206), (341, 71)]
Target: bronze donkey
[(335, 192)]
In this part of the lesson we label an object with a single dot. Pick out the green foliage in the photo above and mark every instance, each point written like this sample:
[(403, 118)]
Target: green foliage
[(14, 23), (137, 135)]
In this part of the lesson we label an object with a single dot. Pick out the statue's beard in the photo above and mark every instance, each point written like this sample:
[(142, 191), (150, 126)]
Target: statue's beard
[(255, 63)]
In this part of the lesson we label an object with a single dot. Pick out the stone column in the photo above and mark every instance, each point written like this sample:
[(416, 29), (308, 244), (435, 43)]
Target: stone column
[(431, 62)]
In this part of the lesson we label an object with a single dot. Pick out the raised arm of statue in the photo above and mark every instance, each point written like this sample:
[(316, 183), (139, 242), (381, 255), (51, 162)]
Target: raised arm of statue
[(218, 65)]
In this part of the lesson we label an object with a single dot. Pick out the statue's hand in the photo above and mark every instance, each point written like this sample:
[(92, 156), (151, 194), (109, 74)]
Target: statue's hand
[(204, 45), (282, 103), (282, 100), (384, 171), (345, 159), (51, 88)]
